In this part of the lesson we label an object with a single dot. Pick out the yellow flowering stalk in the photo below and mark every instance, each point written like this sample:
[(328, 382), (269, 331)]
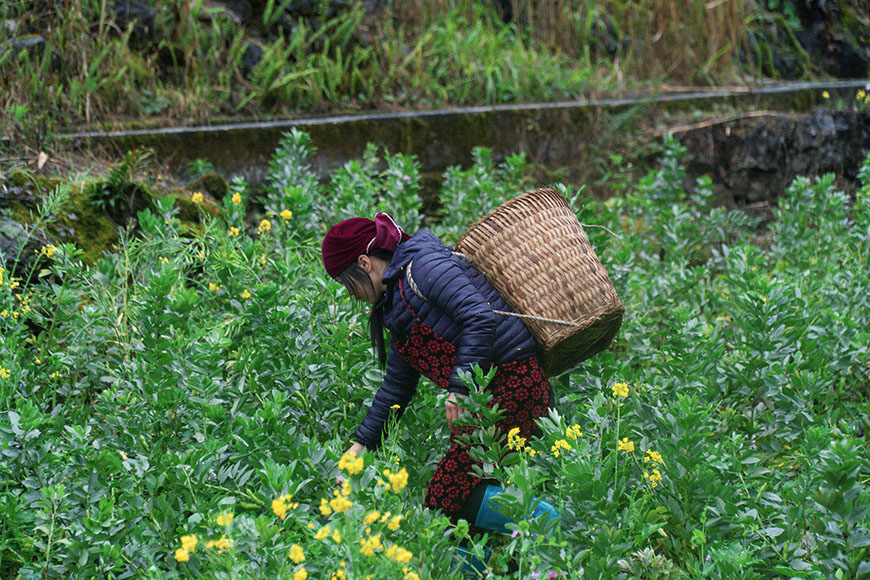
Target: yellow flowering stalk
[(222, 545), (182, 555), (281, 505), (653, 478), (224, 519), (514, 440), (325, 510), (301, 574), (560, 444), (264, 227), (653, 456), (189, 542), (286, 215), (234, 232), (196, 197), (397, 554), (336, 536), (4, 373), (398, 481), (620, 390), (236, 199), (394, 523), (322, 532), (340, 504), (625, 445), (371, 517), (351, 464), (296, 554), (573, 432), (409, 574), (370, 544)]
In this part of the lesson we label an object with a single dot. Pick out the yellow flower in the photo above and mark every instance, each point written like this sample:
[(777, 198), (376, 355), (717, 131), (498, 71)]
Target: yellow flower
[(625, 445), (237, 199), (410, 575), (340, 504), (350, 463), (197, 197), (397, 480), (286, 215), (859, 96), (222, 545), (653, 456), (4, 373), (573, 432), (246, 294), (339, 575), (370, 544), (514, 440), (281, 505), (371, 517), (336, 536), (234, 232), (560, 444), (164, 259), (324, 507), (182, 555), (296, 554), (653, 479), (224, 519), (620, 390), (301, 574), (826, 95), (394, 523), (48, 251), (213, 287), (189, 542), (396, 407), (397, 554), (264, 226), (322, 533)]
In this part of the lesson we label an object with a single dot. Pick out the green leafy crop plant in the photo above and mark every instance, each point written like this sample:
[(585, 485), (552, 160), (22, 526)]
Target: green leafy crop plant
[(179, 408)]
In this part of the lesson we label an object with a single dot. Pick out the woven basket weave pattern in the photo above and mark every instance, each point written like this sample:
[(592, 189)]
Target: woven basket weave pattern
[(536, 255)]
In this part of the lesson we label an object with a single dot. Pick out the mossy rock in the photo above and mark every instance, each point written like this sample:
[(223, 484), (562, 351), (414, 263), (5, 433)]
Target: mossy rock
[(78, 221), (210, 183), (188, 210)]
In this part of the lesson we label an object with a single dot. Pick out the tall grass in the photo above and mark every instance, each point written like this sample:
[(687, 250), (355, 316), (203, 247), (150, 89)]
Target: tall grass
[(413, 53)]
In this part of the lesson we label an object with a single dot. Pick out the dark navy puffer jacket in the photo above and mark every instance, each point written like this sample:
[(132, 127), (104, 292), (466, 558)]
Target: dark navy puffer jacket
[(458, 307)]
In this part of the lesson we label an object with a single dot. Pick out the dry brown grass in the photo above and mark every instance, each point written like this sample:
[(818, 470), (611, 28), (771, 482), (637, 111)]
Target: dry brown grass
[(689, 41)]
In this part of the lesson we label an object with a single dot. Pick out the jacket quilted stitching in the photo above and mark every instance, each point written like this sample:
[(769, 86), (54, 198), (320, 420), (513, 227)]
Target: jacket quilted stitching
[(458, 307)]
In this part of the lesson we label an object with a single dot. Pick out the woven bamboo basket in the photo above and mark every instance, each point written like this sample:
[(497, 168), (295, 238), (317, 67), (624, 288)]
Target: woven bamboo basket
[(535, 253)]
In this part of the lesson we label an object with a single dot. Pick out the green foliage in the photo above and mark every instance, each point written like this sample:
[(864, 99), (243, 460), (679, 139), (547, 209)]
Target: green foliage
[(190, 376)]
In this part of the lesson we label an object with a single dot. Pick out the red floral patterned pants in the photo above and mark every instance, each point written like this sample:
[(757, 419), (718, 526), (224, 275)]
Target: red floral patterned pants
[(523, 391)]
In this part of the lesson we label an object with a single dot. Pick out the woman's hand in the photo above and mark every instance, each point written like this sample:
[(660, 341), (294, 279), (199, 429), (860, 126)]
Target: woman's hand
[(453, 411)]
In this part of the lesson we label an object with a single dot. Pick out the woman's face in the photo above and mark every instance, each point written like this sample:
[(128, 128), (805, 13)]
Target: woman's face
[(374, 269)]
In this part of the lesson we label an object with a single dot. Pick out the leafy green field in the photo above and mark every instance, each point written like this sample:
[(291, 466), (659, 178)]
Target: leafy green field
[(180, 408)]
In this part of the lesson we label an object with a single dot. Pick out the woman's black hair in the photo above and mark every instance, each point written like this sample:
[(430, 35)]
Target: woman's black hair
[(355, 279)]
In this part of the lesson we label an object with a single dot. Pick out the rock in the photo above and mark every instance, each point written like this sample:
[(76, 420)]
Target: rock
[(140, 15), (18, 247), (754, 160), (210, 183), (251, 57), (32, 43)]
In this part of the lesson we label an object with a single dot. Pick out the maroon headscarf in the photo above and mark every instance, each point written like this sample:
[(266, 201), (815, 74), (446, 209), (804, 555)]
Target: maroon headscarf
[(351, 238)]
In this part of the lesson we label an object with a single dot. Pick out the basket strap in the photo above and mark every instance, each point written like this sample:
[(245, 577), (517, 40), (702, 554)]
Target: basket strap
[(413, 285)]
